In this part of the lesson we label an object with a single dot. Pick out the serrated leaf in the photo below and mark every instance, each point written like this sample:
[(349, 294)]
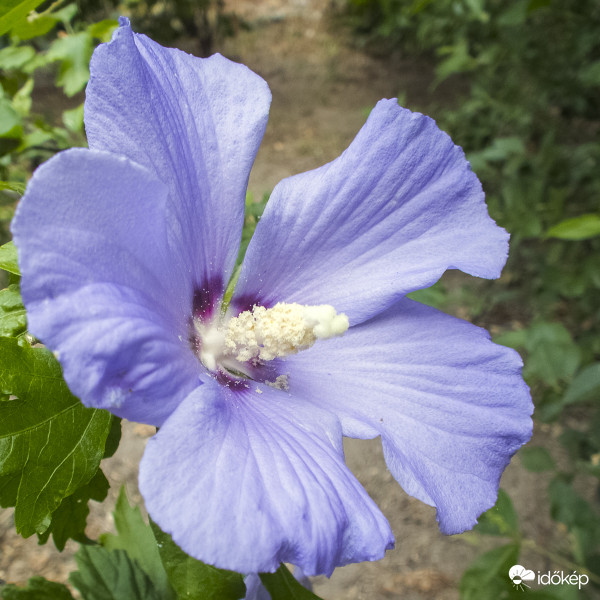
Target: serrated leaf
[(70, 518), (135, 536), (8, 258), (14, 11), (193, 579), (110, 575), (282, 585), (579, 228), (37, 588), (74, 52), (585, 386), (47, 436), (501, 519), (536, 459), (13, 318)]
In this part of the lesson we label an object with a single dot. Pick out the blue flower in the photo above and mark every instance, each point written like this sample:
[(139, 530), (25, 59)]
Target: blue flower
[(126, 250)]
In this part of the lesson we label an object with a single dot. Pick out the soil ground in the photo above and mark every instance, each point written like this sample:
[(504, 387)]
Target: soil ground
[(322, 88)]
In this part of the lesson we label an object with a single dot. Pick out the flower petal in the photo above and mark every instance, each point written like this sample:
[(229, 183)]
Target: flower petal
[(196, 123), (389, 216), (451, 406), (246, 479), (98, 284)]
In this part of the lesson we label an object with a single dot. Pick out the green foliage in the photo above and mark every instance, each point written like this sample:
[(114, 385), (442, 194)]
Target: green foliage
[(37, 588), (501, 520), (14, 12), (135, 537), (50, 443), (537, 459), (70, 518), (282, 585), (109, 574), (193, 579), (528, 120), (486, 578)]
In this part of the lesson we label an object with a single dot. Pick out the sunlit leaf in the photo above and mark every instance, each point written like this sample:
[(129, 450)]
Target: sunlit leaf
[(578, 228), (47, 436), (14, 57), (13, 12), (13, 318), (501, 519), (8, 258), (74, 52)]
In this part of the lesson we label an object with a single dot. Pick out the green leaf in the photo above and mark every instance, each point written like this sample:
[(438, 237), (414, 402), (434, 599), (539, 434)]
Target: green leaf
[(13, 186), (585, 387), (536, 459), (13, 319), (501, 519), (486, 578), (111, 575), (103, 30), (70, 518), (8, 258), (135, 536), (34, 26), (10, 122), (114, 437), (583, 522), (576, 229), (73, 119), (47, 436), (74, 52), (552, 354), (14, 11), (14, 57), (282, 585), (193, 579), (37, 588)]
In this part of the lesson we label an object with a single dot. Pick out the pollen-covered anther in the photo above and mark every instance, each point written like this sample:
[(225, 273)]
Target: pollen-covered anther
[(268, 333)]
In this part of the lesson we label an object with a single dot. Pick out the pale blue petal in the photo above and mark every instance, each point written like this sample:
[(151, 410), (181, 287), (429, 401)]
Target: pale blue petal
[(196, 123), (451, 406), (389, 216), (247, 479), (99, 287)]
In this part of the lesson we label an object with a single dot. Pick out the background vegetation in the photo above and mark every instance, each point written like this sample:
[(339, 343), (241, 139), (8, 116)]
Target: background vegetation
[(529, 120)]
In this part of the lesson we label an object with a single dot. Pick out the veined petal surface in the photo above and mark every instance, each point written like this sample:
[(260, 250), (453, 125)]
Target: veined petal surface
[(196, 123), (451, 407), (99, 286), (389, 216), (246, 479)]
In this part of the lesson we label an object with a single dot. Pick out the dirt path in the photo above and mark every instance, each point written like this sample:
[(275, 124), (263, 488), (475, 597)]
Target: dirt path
[(322, 90)]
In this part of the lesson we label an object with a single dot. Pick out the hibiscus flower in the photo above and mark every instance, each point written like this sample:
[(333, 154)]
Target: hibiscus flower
[(126, 251)]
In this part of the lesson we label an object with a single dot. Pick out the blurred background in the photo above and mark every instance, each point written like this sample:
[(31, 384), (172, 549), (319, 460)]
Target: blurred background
[(516, 83)]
